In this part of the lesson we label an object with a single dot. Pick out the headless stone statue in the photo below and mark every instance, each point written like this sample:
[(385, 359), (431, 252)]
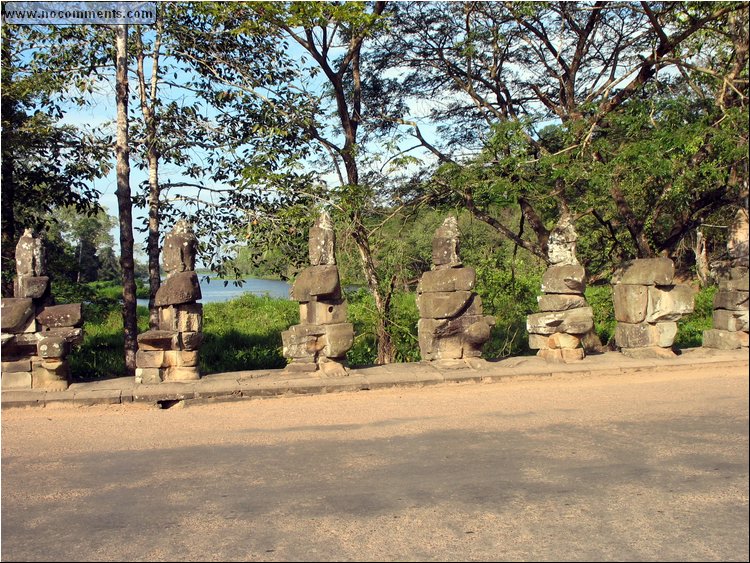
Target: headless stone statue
[(180, 248), (30, 255), (561, 245), (451, 325), (323, 337)]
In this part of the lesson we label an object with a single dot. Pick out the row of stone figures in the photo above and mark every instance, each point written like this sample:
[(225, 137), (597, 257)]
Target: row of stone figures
[(37, 334)]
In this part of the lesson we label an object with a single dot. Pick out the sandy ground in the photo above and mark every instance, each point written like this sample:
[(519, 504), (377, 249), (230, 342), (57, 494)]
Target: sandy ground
[(571, 468)]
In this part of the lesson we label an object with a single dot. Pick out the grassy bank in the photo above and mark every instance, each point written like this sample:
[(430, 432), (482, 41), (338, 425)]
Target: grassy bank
[(245, 333)]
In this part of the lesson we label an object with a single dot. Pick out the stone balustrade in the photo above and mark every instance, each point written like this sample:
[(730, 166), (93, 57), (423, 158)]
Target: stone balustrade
[(37, 335)]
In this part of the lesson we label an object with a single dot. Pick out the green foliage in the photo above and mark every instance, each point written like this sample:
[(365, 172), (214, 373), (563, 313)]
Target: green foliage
[(690, 328), (102, 353), (510, 296), (402, 325), (599, 298), (245, 333)]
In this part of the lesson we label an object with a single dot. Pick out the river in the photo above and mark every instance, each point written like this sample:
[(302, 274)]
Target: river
[(215, 291)]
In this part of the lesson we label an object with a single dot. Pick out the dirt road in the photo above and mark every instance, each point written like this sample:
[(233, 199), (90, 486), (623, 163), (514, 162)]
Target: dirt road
[(635, 467)]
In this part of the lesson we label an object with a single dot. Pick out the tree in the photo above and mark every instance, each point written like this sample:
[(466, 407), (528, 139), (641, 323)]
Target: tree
[(538, 91), (124, 201), (90, 239), (334, 35), (45, 164)]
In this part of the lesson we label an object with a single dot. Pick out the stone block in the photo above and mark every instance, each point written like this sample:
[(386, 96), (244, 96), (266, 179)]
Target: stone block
[(642, 335), (72, 335), (52, 347), (323, 312), (732, 300), (167, 318), (562, 340), (21, 345), (158, 340), (302, 341), (149, 359), (148, 376), (560, 302), (574, 321), (443, 305), (649, 352), (301, 365), (317, 281), (189, 317), (448, 348), (562, 355), (538, 341), (12, 366), (16, 313), (731, 320), (33, 287), (54, 316), (645, 271), (55, 379), (338, 339), (182, 374), (191, 340), (180, 288), (426, 332), (724, 339), (630, 302), (564, 278), (736, 283), (180, 358), (449, 279), (16, 379), (669, 303)]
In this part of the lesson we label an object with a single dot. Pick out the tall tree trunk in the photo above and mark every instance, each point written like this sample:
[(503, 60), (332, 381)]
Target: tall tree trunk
[(149, 108), (124, 201)]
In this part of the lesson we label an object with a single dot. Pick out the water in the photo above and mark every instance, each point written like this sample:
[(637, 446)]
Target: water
[(215, 291)]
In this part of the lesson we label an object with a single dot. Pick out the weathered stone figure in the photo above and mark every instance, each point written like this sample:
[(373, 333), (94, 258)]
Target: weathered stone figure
[(36, 334), (647, 304), (170, 353), (563, 330), (180, 248), (730, 317), (451, 324), (323, 337)]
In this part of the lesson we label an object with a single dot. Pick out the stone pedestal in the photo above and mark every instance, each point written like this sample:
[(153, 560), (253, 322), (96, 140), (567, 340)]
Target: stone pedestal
[(730, 317), (451, 324), (171, 351), (647, 305), (320, 342), (37, 335)]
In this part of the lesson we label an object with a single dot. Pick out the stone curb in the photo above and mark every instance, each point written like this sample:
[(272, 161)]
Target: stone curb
[(275, 383)]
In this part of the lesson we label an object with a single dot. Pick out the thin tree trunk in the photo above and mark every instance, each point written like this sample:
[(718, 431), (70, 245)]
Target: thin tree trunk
[(148, 108), (124, 202), (154, 273)]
